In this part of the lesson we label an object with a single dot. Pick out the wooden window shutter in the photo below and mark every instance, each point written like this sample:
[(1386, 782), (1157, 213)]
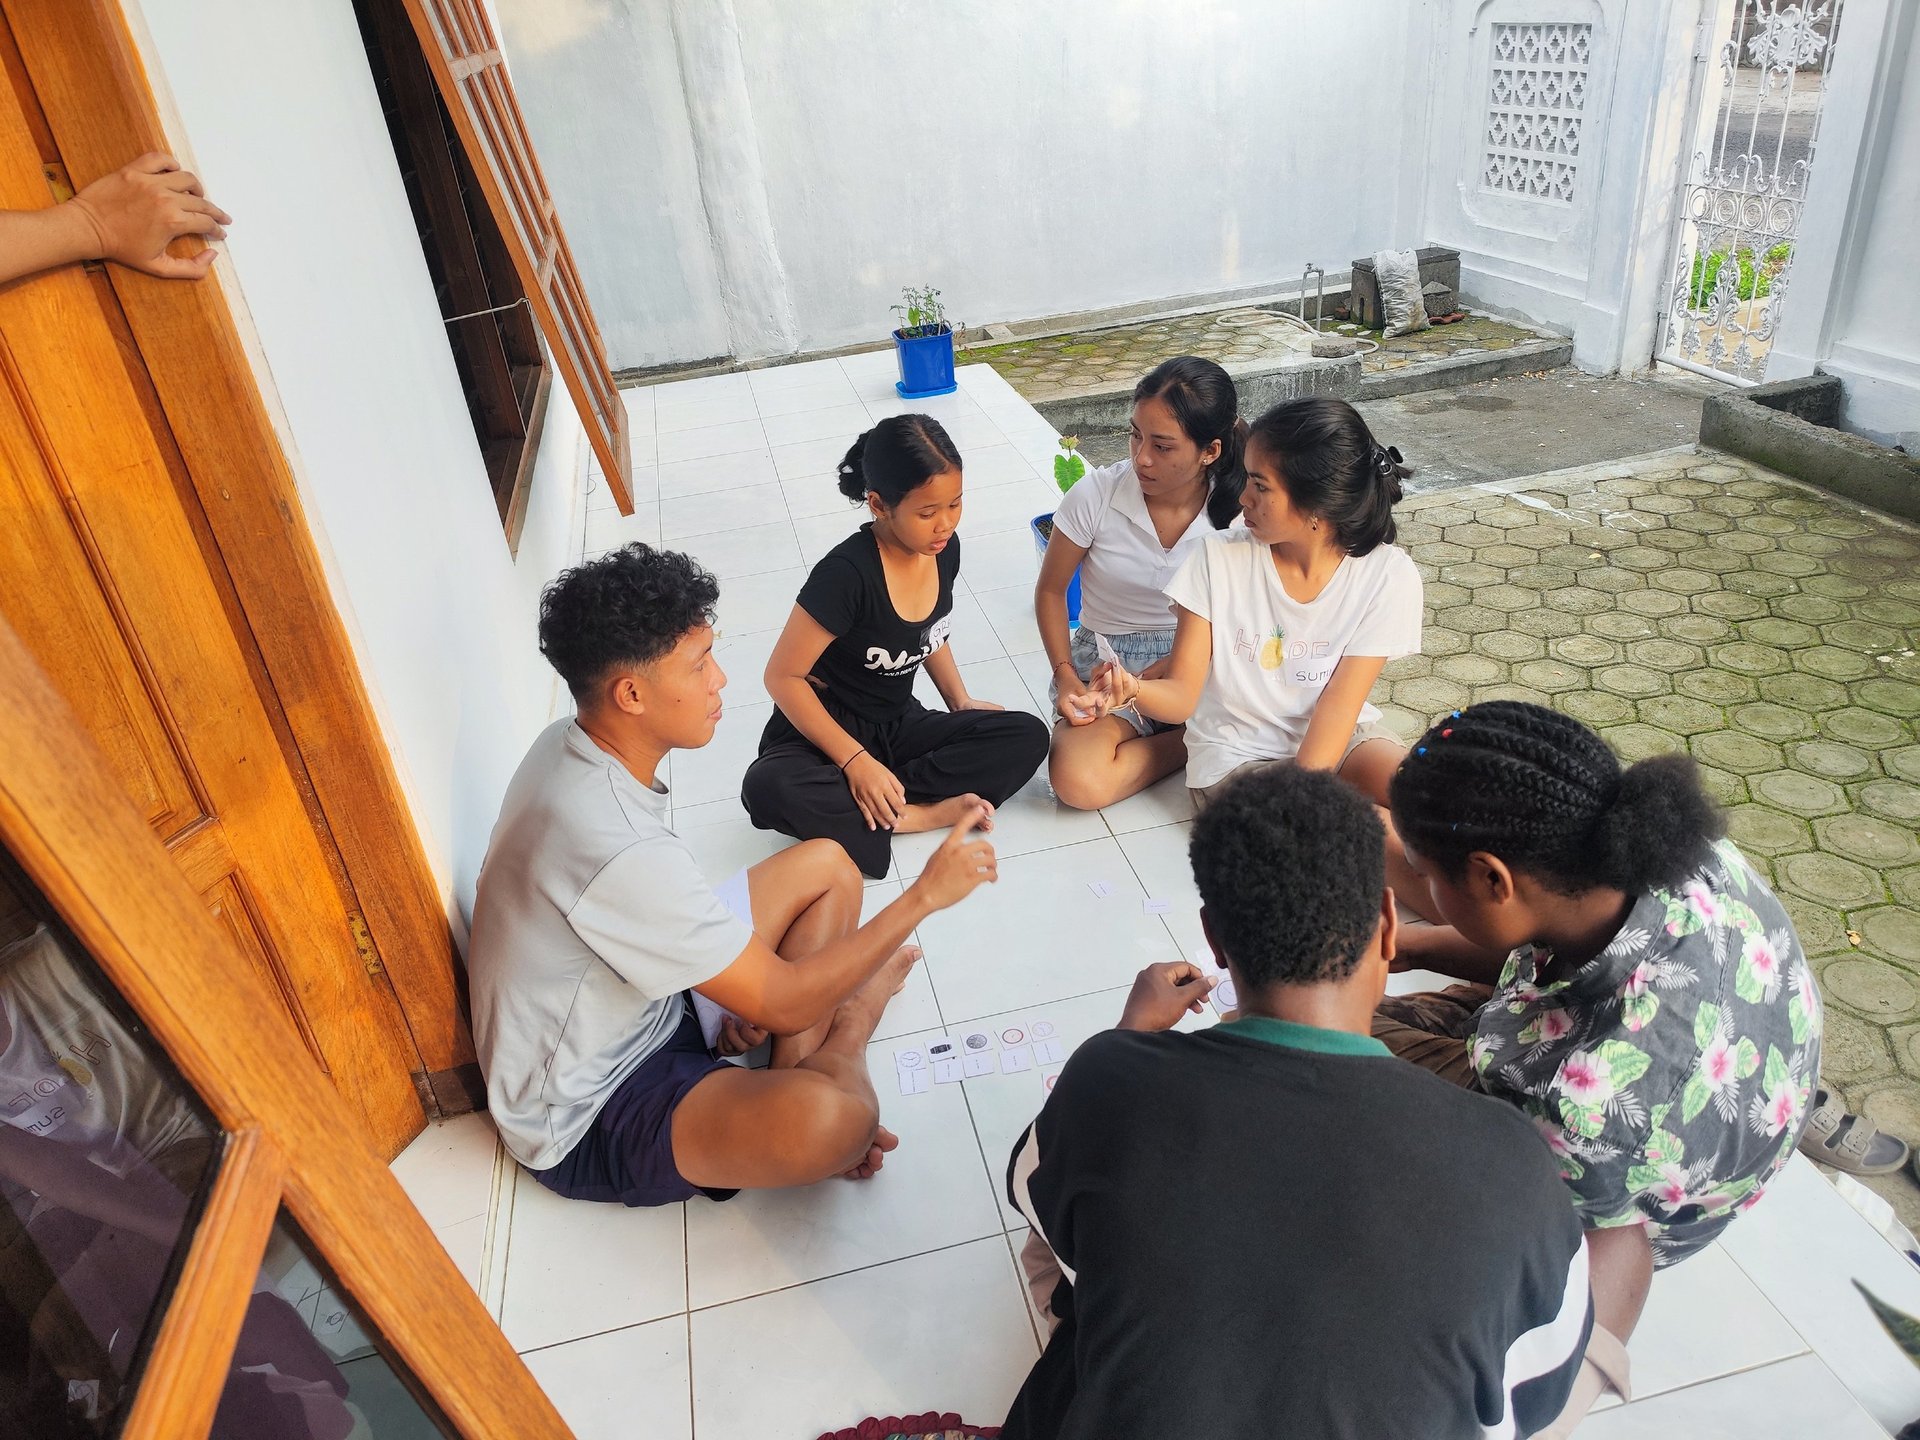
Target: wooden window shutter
[(472, 75)]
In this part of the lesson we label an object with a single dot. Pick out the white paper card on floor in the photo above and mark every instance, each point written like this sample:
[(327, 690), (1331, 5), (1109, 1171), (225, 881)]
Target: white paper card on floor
[(946, 1072), (1048, 1052), (1013, 1061), (1101, 889), (912, 1082), (1156, 907), (975, 1066), (943, 1047)]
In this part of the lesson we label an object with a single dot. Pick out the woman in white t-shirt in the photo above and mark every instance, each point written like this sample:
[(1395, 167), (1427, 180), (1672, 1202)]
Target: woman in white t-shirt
[(1128, 528), (1284, 626)]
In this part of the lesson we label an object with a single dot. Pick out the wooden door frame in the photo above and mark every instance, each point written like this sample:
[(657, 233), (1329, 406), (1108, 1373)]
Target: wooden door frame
[(293, 1142), (88, 77)]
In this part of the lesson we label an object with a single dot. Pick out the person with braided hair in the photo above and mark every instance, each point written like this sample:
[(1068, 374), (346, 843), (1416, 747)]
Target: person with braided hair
[(1282, 627), (1633, 986)]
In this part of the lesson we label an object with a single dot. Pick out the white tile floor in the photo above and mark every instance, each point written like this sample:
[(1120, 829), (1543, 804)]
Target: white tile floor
[(792, 1313)]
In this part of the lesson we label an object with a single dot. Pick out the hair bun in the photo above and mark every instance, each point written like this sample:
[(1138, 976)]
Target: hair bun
[(1655, 830)]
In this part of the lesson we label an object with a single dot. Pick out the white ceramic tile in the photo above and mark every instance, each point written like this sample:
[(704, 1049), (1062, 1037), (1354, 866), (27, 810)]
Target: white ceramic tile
[(1000, 558), (758, 602), (685, 516), (1006, 507), (827, 394), (703, 409), (1016, 1242), (871, 367), (643, 487), (1159, 860), (1705, 1319), (602, 1385), (812, 495), (834, 421), (576, 1268), (994, 679), (447, 1170), (972, 638), (995, 465), (1011, 611), (932, 1192), (941, 407), (1795, 1399), (716, 473), (710, 440), (1039, 934), (972, 432), (609, 529), (1804, 1247), (817, 534), (768, 379), (1030, 821), (713, 771), (723, 839), (986, 385), (639, 403), (752, 550), (946, 1331), (466, 1245), (813, 457), (1037, 675), (744, 659), (1165, 802)]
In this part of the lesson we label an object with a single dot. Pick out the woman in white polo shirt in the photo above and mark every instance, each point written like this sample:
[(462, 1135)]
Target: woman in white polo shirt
[(1128, 528), (1284, 626)]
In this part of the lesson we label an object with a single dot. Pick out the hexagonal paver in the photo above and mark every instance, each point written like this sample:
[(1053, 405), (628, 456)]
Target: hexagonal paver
[(1904, 762), (1696, 629), (1613, 582), (1541, 577), (1439, 594), (1851, 1050), (1640, 742), (1837, 587), (1726, 788), (1861, 635), (1544, 623), (1905, 885), (1893, 930), (1833, 663), (1801, 794), (1716, 687), (1891, 697), (1506, 597), (1512, 646), (1636, 682), (1870, 841), (1785, 562), (1550, 675), (1578, 600), (1640, 557), (1471, 669), (1472, 619), (1785, 634), (1653, 604), (1618, 625), (1684, 580), (1674, 542), (1804, 692), (1822, 931), (1731, 750), (1831, 759), (1430, 695), (1759, 830), (1730, 605), (1829, 879), (1474, 534), (1747, 658), (1586, 650), (1507, 690), (1506, 556), (1865, 728), (1872, 987), (1761, 587), (1663, 654), (1888, 610), (1473, 574), (1597, 709), (1439, 640), (1773, 722), (1894, 800), (1681, 715)]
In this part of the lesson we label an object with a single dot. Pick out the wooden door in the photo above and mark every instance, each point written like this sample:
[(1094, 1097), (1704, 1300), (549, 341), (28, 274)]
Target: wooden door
[(110, 576), (175, 1171)]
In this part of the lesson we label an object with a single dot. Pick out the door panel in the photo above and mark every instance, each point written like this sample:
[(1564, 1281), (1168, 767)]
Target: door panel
[(103, 575)]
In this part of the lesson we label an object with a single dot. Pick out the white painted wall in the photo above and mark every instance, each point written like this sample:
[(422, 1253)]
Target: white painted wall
[(1875, 344), (351, 351), (1027, 159)]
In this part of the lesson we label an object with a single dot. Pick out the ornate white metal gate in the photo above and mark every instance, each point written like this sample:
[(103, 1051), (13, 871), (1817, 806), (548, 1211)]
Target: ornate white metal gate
[(1747, 183)]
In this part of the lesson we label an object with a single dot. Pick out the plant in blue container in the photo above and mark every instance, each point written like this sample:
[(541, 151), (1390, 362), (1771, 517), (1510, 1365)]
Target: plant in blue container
[(923, 344), (1068, 468)]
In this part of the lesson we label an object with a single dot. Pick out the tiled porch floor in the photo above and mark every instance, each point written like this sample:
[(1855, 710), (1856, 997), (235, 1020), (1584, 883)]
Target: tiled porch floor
[(791, 1313)]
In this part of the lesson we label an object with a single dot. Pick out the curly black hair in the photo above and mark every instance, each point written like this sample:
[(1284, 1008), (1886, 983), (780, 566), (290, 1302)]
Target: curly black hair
[(1291, 865), (1545, 794), (629, 607)]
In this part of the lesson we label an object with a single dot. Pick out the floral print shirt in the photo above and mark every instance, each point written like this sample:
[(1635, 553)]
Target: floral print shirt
[(1670, 1074)]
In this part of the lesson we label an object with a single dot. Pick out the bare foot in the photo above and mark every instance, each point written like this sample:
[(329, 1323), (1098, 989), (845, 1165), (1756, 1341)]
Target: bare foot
[(941, 816), (884, 1141)]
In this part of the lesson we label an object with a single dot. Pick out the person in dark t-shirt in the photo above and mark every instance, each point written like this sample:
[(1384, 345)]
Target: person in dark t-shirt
[(1269, 1227), (849, 754)]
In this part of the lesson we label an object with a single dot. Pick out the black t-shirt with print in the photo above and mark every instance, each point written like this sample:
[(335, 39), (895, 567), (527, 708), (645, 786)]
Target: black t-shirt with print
[(869, 667)]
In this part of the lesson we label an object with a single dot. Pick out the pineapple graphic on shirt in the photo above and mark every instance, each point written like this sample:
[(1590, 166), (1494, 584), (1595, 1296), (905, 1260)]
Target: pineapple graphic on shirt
[(1273, 650)]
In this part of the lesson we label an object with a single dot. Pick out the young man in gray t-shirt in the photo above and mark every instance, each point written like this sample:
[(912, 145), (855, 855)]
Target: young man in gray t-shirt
[(594, 931)]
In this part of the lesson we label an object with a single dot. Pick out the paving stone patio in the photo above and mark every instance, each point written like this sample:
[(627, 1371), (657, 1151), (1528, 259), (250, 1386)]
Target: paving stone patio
[(1057, 366), (1693, 601)]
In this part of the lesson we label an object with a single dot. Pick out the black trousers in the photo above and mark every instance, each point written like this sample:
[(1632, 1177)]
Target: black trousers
[(795, 789)]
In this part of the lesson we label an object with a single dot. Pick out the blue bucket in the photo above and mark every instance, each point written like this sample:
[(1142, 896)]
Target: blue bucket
[(1073, 585), (926, 364)]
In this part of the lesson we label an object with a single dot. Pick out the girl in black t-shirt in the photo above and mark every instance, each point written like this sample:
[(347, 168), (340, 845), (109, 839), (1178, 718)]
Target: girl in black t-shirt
[(849, 754)]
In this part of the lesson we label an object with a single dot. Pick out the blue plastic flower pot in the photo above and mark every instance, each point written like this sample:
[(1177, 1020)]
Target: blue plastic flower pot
[(926, 364), (1073, 585)]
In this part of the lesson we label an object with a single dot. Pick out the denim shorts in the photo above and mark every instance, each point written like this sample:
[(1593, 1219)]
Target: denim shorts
[(1136, 651)]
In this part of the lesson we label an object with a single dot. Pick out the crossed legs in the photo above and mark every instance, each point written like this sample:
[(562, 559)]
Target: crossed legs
[(812, 1113), (1096, 765)]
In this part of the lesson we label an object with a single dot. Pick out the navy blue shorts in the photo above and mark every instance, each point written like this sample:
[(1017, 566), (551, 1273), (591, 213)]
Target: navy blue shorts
[(627, 1153)]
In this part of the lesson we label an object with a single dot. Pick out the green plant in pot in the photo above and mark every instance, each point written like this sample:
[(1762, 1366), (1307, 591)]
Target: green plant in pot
[(923, 345), (1068, 468)]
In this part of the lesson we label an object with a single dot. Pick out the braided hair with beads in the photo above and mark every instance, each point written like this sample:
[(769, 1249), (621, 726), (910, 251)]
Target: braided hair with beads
[(1547, 796)]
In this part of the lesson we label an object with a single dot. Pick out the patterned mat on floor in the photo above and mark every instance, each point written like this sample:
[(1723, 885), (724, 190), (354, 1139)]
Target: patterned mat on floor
[(930, 1426)]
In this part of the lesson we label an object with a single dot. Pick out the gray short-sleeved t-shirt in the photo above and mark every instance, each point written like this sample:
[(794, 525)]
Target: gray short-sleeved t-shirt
[(591, 921)]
